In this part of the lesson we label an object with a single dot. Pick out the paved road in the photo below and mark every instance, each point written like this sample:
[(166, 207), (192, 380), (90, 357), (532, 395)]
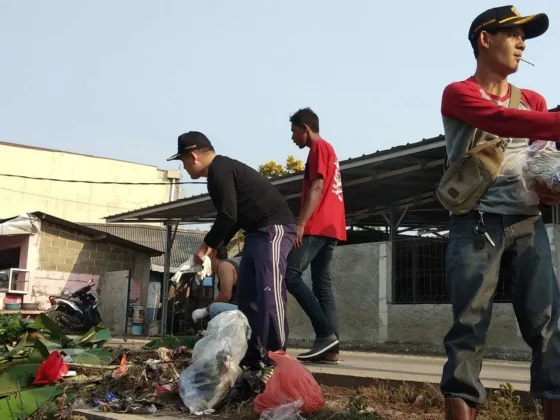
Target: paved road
[(404, 367)]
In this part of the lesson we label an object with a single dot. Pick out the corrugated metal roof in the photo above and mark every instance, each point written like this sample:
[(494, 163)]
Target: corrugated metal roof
[(185, 244)]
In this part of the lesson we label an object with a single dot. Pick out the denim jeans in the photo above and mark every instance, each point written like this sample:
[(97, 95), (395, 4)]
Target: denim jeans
[(319, 305), (218, 307), (522, 246)]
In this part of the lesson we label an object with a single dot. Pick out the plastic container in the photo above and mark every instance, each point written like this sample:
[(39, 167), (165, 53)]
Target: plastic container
[(137, 329), (13, 306), (137, 312), (153, 327)]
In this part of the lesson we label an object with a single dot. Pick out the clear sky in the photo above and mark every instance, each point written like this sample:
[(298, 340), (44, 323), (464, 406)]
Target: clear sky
[(124, 78)]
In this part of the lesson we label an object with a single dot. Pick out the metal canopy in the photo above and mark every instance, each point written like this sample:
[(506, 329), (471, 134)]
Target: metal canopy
[(397, 184)]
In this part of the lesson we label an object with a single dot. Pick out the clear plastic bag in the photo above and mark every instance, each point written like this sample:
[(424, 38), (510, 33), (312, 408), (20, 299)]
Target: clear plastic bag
[(291, 382), (215, 362), (540, 162), (283, 412)]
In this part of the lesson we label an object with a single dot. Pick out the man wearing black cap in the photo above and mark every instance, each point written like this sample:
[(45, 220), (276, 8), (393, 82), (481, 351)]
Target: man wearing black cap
[(504, 228), (244, 199)]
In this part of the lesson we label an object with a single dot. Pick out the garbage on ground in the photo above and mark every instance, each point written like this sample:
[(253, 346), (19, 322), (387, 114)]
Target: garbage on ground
[(215, 362), (51, 370), (540, 162), (291, 382), (283, 412)]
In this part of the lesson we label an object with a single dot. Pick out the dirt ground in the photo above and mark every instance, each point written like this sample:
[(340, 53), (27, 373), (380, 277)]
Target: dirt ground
[(382, 402)]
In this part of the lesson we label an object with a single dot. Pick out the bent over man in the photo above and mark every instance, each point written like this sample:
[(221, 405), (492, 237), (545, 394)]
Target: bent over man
[(244, 199)]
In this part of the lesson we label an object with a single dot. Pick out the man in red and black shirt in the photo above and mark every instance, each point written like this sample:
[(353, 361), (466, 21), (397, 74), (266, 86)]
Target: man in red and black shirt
[(516, 239), (321, 224)]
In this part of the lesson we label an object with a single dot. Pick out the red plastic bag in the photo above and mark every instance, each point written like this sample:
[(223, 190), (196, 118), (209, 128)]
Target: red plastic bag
[(51, 370), (291, 382)]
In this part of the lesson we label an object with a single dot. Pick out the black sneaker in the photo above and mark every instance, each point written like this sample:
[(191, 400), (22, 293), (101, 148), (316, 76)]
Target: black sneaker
[(320, 346), (329, 358)]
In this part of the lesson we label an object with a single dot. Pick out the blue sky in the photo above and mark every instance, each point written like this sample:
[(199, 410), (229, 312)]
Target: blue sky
[(122, 79)]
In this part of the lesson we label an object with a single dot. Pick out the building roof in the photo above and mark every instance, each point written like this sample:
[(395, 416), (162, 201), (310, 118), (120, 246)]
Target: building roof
[(393, 178), (96, 234), (399, 182), (184, 246)]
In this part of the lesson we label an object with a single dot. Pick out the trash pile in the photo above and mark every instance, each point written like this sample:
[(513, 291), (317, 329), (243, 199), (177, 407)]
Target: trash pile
[(39, 370), (48, 374)]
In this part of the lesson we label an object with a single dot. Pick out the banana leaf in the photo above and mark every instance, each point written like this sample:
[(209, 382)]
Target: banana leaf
[(23, 404), (17, 377)]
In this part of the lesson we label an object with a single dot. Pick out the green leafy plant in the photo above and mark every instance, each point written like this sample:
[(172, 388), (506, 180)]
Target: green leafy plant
[(11, 327)]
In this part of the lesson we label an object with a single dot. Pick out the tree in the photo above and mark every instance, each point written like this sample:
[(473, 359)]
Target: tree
[(272, 169)]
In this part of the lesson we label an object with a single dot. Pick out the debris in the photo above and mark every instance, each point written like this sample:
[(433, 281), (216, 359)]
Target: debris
[(121, 370), (51, 370), (215, 362), (283, 412), (290, 382)]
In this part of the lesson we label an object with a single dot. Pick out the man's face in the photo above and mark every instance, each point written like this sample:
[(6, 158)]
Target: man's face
[(191, 165), (505, 49), (300, 135)]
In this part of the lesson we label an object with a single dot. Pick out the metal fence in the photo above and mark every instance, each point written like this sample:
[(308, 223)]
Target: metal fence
[(419, 272)]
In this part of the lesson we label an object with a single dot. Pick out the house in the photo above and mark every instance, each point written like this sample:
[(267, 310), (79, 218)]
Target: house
[(105, 190), (43, 255)]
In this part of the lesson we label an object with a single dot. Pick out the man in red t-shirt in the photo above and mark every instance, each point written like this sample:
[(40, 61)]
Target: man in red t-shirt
[(321, 224)]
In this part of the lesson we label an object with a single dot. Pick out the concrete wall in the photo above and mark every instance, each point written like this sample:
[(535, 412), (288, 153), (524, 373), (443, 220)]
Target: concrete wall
[(77, 202), (62, 259), (363, 315), (362, 285)]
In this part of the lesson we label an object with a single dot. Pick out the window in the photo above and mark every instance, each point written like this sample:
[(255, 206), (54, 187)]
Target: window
[(419, 272)]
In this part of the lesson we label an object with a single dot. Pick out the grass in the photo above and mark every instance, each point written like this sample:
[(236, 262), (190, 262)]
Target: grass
[(383, 401)]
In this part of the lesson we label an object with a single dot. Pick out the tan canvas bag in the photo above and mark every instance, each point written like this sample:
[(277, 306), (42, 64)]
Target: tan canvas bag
[(468, 178)]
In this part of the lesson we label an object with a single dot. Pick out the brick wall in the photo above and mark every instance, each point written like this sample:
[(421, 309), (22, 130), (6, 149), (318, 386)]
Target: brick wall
[(70, 251)]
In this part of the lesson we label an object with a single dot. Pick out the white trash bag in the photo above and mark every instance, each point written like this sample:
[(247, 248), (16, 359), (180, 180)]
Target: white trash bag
[(215, 362), (283, 412), (540, 162)]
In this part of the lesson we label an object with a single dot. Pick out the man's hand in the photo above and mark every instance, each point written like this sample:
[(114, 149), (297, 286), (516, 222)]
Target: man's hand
[(199, 314), (299, 235), (546, 196), (202, 251)]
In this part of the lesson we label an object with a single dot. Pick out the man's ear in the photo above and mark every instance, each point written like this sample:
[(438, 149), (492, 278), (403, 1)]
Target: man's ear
[(484, 39)]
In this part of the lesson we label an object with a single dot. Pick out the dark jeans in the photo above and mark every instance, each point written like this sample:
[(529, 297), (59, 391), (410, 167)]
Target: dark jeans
[(320, 305), (522, 247)]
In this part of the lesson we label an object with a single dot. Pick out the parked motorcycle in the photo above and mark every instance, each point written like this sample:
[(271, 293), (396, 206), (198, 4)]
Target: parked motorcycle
[(77, 312)]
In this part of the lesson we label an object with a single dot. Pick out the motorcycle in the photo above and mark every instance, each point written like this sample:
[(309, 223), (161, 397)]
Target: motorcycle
[(76, 312)]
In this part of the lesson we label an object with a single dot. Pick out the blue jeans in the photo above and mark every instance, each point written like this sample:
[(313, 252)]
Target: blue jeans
[(472, 273), (218, 307), (319, 305)]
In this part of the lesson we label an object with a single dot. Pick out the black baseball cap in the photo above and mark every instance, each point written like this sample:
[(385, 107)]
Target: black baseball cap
[(507, 17), (190, 141)]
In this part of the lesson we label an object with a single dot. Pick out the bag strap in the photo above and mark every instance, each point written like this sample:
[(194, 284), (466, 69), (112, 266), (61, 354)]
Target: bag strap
[(514, 102)]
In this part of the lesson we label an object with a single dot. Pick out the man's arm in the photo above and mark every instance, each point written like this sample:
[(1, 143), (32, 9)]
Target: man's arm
[(224, 196), (463, 102), (318, 161)]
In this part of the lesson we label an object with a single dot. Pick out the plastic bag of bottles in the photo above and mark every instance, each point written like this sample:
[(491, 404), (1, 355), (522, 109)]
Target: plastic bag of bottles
[(215, 362)]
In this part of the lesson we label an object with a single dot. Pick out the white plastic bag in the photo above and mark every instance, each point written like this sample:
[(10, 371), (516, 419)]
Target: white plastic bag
[(215, 362), (540, 162), (283, 412)]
